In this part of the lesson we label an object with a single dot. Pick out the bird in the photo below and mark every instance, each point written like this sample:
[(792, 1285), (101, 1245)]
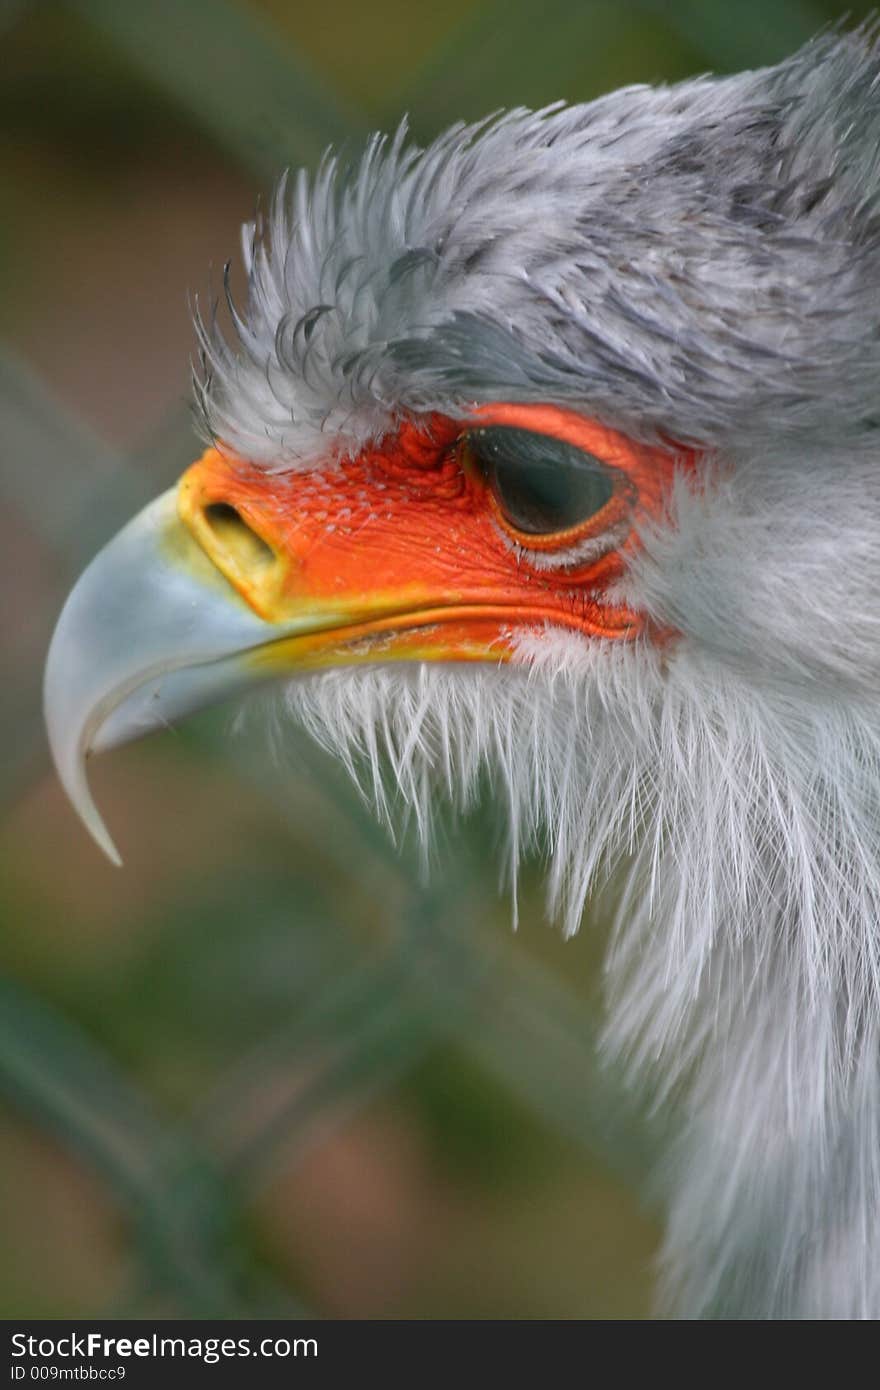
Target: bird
[(550, 450)]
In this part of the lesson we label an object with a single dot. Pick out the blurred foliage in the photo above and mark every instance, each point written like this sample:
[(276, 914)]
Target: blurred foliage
[(271, 1065)]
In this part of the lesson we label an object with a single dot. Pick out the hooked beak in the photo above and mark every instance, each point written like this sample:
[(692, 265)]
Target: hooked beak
[(189, 605), (150, 632)]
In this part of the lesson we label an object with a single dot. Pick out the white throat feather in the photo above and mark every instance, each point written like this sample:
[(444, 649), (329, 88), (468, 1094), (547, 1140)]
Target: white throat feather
[(743, 975)]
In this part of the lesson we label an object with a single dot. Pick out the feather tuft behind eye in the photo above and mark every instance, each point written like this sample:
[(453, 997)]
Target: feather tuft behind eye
[(541, 484)]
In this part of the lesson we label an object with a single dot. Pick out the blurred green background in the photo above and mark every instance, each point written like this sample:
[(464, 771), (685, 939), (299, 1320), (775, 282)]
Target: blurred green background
[(269, 1068)]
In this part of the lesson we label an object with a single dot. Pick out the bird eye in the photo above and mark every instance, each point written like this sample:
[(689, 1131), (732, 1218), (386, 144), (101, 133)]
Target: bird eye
[(541, 484)]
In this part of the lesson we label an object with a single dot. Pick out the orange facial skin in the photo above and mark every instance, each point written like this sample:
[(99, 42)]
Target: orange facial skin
[(402, 551)]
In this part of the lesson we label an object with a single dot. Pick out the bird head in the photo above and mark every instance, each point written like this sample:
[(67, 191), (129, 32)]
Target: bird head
[(553, 450), (552, 446)]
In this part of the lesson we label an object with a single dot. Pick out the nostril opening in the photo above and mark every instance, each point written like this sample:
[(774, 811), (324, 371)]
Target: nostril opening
[(237, 538)]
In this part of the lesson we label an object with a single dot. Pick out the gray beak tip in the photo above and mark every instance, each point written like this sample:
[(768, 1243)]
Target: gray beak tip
[(70, 762), (100, 834)]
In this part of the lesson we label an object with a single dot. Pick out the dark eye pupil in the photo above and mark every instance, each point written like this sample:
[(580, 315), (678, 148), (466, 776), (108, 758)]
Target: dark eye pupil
[(544, 498), (541, 484)]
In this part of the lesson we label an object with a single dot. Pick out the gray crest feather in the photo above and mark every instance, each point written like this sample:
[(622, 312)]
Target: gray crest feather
[(698, 261)]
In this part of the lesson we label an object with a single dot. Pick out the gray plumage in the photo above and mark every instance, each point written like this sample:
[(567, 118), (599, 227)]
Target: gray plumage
[(698, 263)]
